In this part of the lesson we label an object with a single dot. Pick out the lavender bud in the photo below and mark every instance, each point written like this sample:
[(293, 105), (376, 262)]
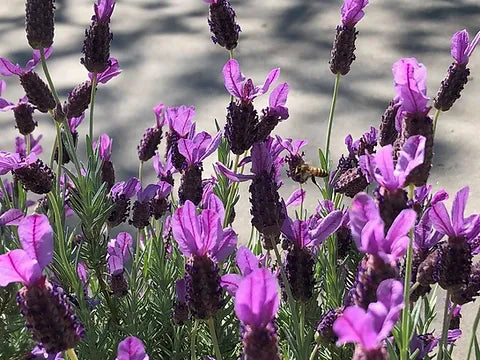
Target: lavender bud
[(96, 47), (36, 177), (118, 285), (342, 54), (467, 293), (299, 268), (78, 100), (204, 293), (451, 86), (37, 92), (429, 269), (241, 126), (180, 313), (149, 143), (267, 123), (222, 24), (351, 182), (191, 184), (325, 333), (456, 264), (108, 174), (140, 214), (388, 132), (65, 156), (49, 316), (119, 212), (344, 241), (260, 344), (159, 206), (24, 119), (178, 160), (39, 23)]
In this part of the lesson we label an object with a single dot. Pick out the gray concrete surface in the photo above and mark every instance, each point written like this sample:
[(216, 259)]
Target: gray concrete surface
[(166, 55)]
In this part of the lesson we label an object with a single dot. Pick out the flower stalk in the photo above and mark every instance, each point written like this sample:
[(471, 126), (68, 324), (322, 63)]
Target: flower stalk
[(330, 117), (474, 334), (92, 103), (211, 327)]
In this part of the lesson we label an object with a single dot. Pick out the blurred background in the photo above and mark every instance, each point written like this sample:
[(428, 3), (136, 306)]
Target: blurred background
[(165, 51)]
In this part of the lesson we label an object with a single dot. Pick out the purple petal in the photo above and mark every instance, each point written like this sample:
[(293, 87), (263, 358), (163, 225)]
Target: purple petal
[(441, 221), (104, 9), (8, 69), (229, 174), (352, 11), (18, 266), (410, 85), (233, 78), (328, 225), (390, 295), (187, 148), (163, 189), (112, 71), (246, 261), (212, 233), (214, 203), (186, 229), (411, 156), (131, 187), (11, 217), (159, 116), (211, 146), (36, 58), (278, 97), (261, 159), (440, 195), (458, 209), (148, 193), (355, 326), (271, 78), (124, 242), (297, 197), (372, 238), (458, 46), (230, 283), (115, 264), (74, 122), (105, 149), (473, 45), (362, 210), (36, 236), (385, 170), (402, 224), (257, 299), (180, 119), (131, 349), (82, 273)]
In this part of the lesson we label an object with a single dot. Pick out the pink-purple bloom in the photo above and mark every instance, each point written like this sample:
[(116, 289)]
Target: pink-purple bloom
[(195, 150), (110, 72), (7, 68), (131, 348), (103, 10), (21, 146), (119, 251), (105, 147), (352, 11), (461, 47), (247, 262)]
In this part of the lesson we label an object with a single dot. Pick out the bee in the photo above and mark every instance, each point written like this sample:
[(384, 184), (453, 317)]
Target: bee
[(300, 171)]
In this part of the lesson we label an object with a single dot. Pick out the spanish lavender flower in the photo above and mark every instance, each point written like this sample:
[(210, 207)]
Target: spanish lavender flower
[(141, 209), (22, 112), (247, 262), (274, 113), (368, 328), (384, 250), (205, 243), (412, 116), (222, 23), (305, 235), (426, 343), (195, 151), (455, 316), (105, 152), (120, 194), (391, 177), (297, 167), (457, 75), (256, 302), (456, 261), (152, 136), (39, 23), (267, 211), (39, 353), (344, 43), (159, 204), (164, 171), (242, 119), (180, 308), (119, 251), (180, 127), (96, 46), (388, 132), (44, 305), (131, 348)]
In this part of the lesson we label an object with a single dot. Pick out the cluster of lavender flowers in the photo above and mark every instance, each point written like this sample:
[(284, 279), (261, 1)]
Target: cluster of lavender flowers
[(120, 269)]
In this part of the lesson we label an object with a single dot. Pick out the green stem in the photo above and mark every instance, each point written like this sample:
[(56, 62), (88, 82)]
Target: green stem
[(330, 119), (140, 171), (28, 144), (406, 292), (60, 156), (47, 75), (446, 321), (290, 298), (314, 352), (302, 322), (230, 53), (71, 354), (193, 340), (474, 334), (211, 327), (435, 119), (92, 104)]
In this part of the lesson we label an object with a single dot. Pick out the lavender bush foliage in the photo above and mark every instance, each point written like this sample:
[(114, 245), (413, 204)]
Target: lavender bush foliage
[(94, 267)]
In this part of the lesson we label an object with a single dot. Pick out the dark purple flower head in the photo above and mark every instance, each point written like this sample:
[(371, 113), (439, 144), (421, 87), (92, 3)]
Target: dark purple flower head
[(131, 348), (26, 265), (352, 11), (369, 328), (247, 262), (237, 85), (410, 86), (257, 299), (202, 234), (312, 232), (390, 176), (9, 69), (109, 73), (119, 251), (368, 229), (457, 225), (461, 48), (200, 147), (127, 189), (103, 10)]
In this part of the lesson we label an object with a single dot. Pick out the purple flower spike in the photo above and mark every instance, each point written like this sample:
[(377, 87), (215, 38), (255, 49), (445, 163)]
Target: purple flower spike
[(25, 265), (236, 85), (410, 85), (113, 70), (369, 328), (131, 349), (352, 11), (104, 10), (461, 49), (257, 299)]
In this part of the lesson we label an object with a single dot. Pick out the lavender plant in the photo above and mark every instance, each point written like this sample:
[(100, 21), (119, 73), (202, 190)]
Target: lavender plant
[(94, 267)]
